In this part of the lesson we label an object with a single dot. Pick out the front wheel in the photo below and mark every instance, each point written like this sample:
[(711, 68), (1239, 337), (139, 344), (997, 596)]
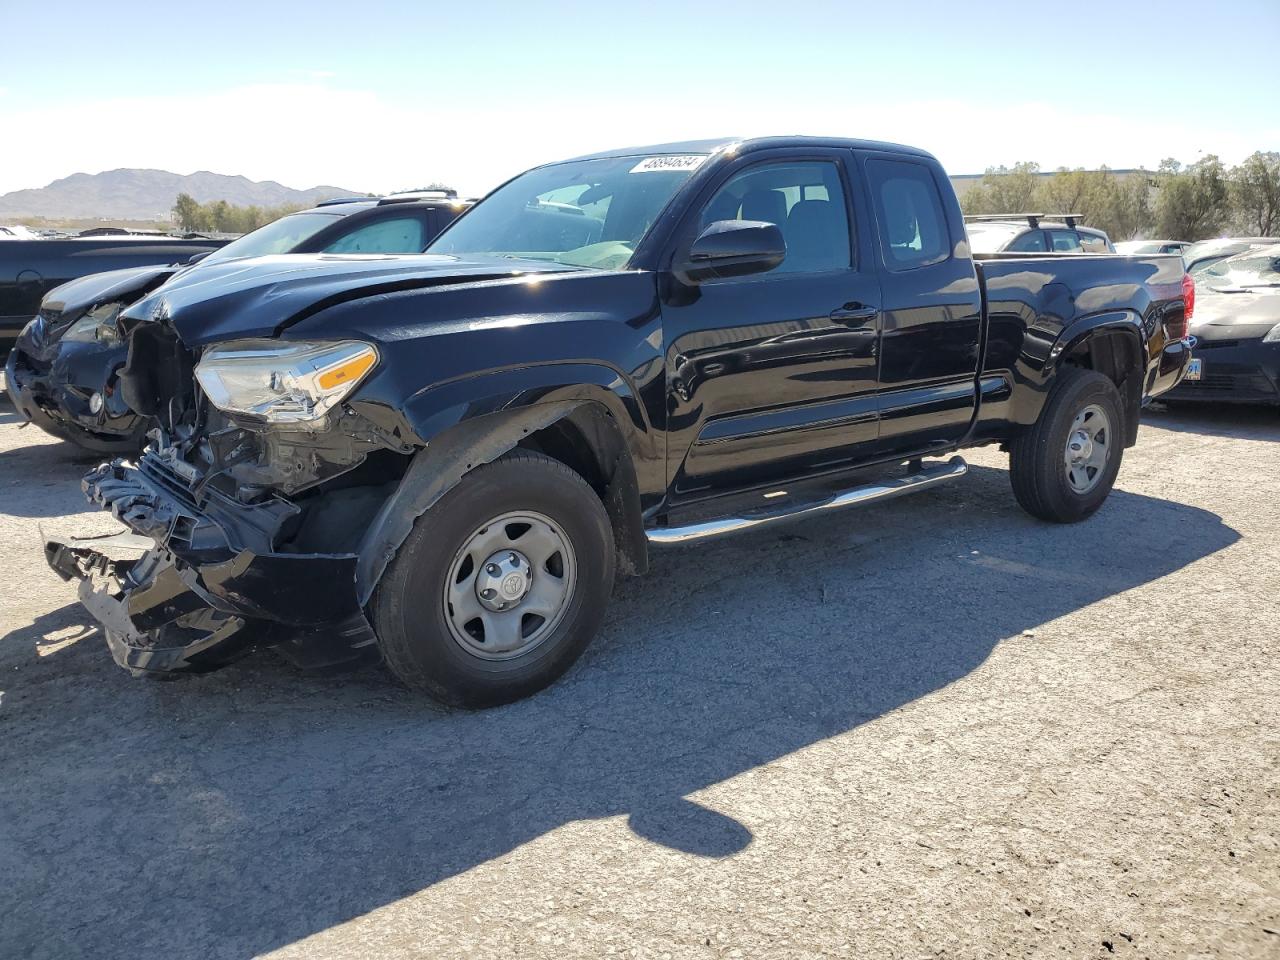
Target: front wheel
[(1063, 467), (500, 586)]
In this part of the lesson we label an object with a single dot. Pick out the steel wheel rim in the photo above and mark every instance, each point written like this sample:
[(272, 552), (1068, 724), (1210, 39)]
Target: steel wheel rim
[(514, 618), (1088, 448)]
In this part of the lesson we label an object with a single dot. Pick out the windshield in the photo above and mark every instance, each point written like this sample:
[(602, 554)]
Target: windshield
[(586, 213), (1256, 269), (279, 236), (1200, 256)]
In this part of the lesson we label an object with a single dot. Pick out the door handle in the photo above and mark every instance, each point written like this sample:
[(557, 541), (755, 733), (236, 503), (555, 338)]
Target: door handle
[(854, 312)]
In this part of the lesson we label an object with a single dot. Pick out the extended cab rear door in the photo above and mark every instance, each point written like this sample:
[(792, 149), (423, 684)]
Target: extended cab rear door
[(931, 305)]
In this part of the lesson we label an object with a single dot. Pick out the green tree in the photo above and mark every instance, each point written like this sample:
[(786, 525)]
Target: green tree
[(218, 216), (1191, 202), (1254, 188), (1004, 190), (186, 212)]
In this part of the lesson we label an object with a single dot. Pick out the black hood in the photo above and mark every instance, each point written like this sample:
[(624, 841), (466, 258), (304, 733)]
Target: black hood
[(76, 297), (1242, 315), (261, 296)]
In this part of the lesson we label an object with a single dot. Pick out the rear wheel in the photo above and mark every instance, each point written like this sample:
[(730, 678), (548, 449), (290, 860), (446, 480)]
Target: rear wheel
[(1064, 466), (500, 586)]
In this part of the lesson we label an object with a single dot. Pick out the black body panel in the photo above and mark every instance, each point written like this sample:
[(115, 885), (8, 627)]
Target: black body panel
[(30, 269)]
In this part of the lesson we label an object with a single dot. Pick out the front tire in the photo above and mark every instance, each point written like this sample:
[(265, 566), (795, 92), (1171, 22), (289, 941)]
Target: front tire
[(500, 586), (1063, 467)]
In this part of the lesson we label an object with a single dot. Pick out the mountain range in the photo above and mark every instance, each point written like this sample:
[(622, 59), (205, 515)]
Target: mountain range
[(135, 194)]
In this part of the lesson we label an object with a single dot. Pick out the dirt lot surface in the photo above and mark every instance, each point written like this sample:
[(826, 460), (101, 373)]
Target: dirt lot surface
[(932, 728)]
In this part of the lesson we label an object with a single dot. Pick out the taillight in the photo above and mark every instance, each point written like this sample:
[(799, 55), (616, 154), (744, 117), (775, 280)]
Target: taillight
[(1177, 329)]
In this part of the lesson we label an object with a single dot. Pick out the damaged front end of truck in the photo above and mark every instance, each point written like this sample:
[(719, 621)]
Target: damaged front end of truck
[(245, 526)]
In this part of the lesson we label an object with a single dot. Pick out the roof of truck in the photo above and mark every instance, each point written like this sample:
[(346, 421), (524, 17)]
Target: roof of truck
[(754, 143)]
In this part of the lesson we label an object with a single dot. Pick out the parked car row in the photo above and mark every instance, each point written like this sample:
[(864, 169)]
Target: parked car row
[(63, 373), (445, 457), (1037, 233), (30, 268), (1236, 330)]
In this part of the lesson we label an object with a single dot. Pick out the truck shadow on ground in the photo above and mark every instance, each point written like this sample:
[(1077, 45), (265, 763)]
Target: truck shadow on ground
[(236, 813)]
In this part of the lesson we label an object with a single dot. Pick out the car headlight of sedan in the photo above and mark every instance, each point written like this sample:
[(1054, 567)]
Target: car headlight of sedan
[(96, 326), (283, 382), (1273, 335)]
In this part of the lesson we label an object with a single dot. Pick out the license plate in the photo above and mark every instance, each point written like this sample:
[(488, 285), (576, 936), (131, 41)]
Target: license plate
[(1195, 369)]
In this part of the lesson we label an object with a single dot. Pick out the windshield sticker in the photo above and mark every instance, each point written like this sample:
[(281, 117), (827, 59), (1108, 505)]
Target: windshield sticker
[(655, 164)]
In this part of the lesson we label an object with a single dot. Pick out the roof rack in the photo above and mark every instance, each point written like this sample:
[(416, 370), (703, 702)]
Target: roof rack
[(337, 200), (412, 195), (1033, 219)]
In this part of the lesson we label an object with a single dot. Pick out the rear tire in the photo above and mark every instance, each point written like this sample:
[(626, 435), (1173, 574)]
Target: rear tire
[(1063, 467), (460, 617)]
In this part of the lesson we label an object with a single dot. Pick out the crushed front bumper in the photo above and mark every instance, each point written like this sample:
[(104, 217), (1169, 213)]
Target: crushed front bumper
[(53, 389), (179, 594)]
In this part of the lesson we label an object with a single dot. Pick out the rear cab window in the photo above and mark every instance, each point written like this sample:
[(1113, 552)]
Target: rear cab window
[(909, 212)]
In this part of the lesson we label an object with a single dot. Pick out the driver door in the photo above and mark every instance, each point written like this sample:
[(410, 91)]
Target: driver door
[(774, 375)]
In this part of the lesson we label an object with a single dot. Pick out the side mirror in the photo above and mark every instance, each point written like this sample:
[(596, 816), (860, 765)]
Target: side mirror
[(196, 258), (733, 248)]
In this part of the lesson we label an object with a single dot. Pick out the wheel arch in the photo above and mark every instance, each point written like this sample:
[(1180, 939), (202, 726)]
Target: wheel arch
[(581, 432), (1114, 345)]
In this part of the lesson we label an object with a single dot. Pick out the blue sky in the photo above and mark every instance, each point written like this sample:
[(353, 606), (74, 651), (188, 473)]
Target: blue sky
[(385, 96)]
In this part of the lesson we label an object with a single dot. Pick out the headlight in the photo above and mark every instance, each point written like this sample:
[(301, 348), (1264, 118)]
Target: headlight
[(1273, 335), (286, 382), (96, 326)]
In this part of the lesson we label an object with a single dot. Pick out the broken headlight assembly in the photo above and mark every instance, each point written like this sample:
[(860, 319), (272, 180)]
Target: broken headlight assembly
[(96, 326), (283, 382)]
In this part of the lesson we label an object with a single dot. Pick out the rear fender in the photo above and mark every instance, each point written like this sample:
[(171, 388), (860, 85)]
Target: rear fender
[(1126, 366)]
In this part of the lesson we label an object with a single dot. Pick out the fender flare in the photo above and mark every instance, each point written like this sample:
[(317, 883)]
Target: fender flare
[(440, 466), (1079, 332)]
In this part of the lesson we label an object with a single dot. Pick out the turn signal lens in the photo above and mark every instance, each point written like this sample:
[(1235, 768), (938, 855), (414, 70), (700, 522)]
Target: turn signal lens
[(348, 371)]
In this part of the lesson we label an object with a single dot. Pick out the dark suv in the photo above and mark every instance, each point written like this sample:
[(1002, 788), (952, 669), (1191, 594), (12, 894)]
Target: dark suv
[(1034, 233), (62, 374)]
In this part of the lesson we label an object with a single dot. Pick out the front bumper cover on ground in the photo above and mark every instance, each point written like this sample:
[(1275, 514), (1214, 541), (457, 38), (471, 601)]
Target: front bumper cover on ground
[(168, 606)]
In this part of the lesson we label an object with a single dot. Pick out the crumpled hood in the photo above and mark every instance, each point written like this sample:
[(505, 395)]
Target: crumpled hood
[(261, 296), (71, 300), (1235, 316), (64, 305)]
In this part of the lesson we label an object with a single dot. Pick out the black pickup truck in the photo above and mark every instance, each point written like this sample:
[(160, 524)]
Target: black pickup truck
[(446, 457)]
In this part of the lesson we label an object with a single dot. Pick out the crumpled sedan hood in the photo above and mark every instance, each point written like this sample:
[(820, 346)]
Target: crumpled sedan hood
[(71, 300), (261, 296), (1235, 316)]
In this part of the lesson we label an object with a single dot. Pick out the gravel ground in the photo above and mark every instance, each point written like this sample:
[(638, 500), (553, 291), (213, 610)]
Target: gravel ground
[(931, 728)]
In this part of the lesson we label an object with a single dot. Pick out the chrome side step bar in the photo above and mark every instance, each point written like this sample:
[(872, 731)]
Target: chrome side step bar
[(929, 476)]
